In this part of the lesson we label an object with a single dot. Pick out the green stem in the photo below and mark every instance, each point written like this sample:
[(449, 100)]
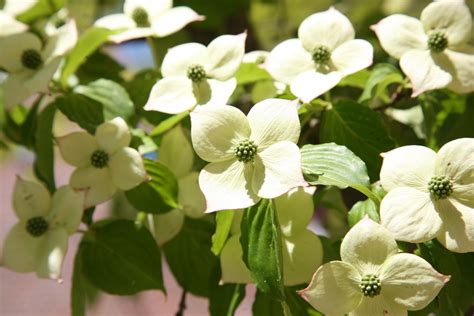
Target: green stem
[(154, 51)]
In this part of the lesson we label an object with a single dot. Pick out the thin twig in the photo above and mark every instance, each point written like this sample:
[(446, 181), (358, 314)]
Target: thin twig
[(182, 304)]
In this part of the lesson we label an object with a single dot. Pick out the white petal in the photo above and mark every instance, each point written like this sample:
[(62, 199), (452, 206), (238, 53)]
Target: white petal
[(302, 255), (224, 56), (153, 8), (116, 22), (97, 182), (410, 215), (174, 20), (15, 7), (216, 130), (274, 120), (171, 95), (221, 91), (176, 151), (367, 245), (51, 254), (457, 232), (113, 135), (20, 250), (408, 166), (287, 60), (451, 17), (226, 185), (61, 42), (295, 209), (9, 26), (352, 56), (77, 148), (190, 196), (311, 84), (67, 209), (459, 64), (126, 168), (233, 267), (13, 47), (277, 169), (319, 30), (178, 59), (423, 72), (334, 289), (399, 34), (410, 281), (168, 225), (131, 34), (30, 199), (378, 305)]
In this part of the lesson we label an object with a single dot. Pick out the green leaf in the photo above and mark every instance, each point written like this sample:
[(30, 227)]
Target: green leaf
[(362, 208), (265, 305), (168, 123), (113, 97), (297, 305), (42, 9), (82, 291), (157, 195), (28, 127), (224, 299), (332, 164), (261, 246), (139, 87), (358, 79), (263, 90), (359, 129), (82, 110), (380, 78), (251, 73), (121, 259), (190, 258), (86, 45), (44, 147), (99, 65), (223, 224)]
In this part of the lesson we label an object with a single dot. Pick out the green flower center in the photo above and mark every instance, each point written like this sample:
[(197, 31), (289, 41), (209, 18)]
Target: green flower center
[(99, 159), (321, 55), (37, 226), (31, 59), (246, 151), (437, 42), (196, 73), (140, 16), (370, 285), (440, 186)]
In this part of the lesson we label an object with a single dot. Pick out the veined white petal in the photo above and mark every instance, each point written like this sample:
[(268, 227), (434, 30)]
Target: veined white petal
[(77, 148), (67, 209), (171, 95), (318, 30), (459, 63), (176, 151), (116, 22), (126, 168), (220, 91), (51, 254), (13, 47), (168, 225), (178, 59), (97, 182), (190, 196), (408, 166), (457, 232), (311, 84), (216, 130), (399, 34), (352, 56), (174, 20), (30, 199), (423, 72), (233, 267), (224, 56), (295, 209), (367, 245), (113, 135), (378, 305), (226, 185)]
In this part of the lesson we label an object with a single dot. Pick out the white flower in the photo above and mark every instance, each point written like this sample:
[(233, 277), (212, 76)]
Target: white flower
[(324, 52), (30, 64), (9, 26), (17, 7), (251, 157), (176, 152), (434, 52), (195, 74), (104, 162), (38, 242), (302, 250), (373, 278), (143, 18), (430, 195)]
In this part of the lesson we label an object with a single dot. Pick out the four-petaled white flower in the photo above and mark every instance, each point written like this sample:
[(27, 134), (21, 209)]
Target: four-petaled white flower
[(430, 195), (324, 52), (176, 152), (143, 18), (195, 74), (251, 157), (302, 250), (39, 241), (104, 162), (434, 52), (30, 64), (373, 278)]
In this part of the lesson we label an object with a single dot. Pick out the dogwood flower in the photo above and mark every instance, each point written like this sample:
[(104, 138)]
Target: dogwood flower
[(104, 162), (433, 51), (9, 26), (430, 195), (251, 157), (373, 278), (324, 52), (176, 152), (302, 250), (30, 64), (195, 74), (143, 18), (39, 241)]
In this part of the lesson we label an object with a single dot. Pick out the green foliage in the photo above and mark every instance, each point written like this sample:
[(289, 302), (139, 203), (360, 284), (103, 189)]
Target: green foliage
[(381, 77), (223, 225), (41, 9), (82, 291), (251, 73), (99, 65), (44, 147), (224, 299), (360, 210), (82, 110)]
